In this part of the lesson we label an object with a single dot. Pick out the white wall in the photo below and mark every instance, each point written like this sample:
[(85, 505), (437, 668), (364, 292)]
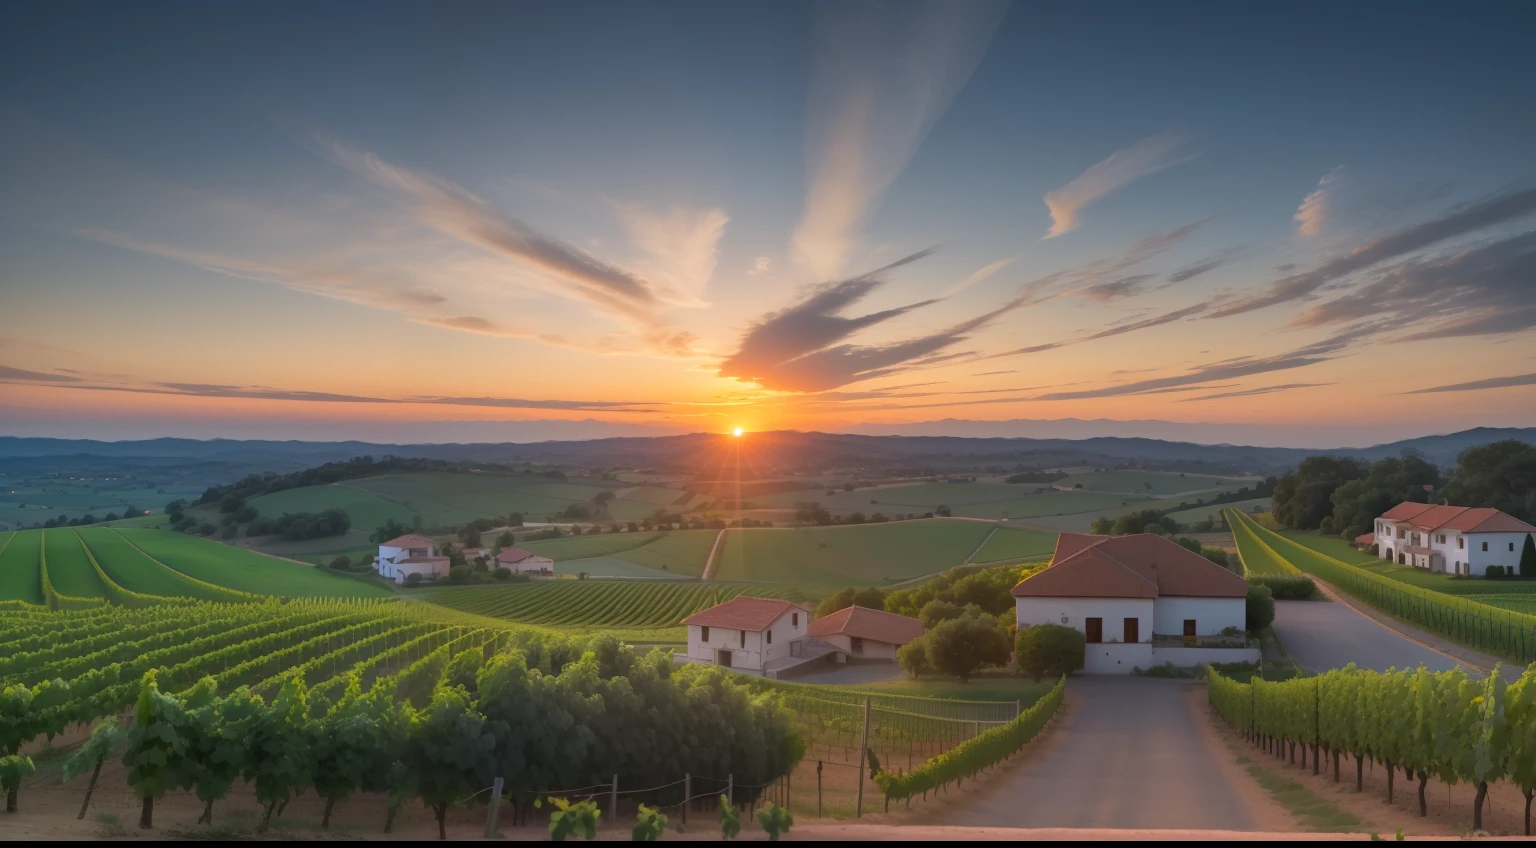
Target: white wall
[(872, 649), (388, 556), (1499, 550), (1107, 658), (1071, 612), (428, 570), (530, 565), (1183, 657), (1211, 615), (749, 650)]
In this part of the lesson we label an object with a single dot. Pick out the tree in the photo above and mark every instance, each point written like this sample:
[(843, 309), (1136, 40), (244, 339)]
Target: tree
[(1260, 608), (1303, 498), (937, 612), (278, 757), (156, 746), (13, 770), (961, 646), (1357, 503), (341, 563), (88, 757), (449, 752), (1528, 557), (942, 510), (515, 519), (913, 657), (460, 574), (1501, 475), (505, 540), (1049, 650)]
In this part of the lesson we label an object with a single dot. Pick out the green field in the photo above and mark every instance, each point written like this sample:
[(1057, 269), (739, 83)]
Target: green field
[(246, 571), (20, 577), (970, 500), (858, 555), (1151, 483), (69, 569), (671, 554), (582, 605), (366, 509), (1008, 544), (581, 547), (1257, 556), (1213, 511), (131, 569)]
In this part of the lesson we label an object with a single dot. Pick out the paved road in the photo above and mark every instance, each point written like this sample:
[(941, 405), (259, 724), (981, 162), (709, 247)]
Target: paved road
[(1131, 756), (848, 674), (1325, 635)]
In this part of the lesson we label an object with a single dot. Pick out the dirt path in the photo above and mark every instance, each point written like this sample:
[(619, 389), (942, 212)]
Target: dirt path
[(714, 555), (1132, 754), (979, 546)]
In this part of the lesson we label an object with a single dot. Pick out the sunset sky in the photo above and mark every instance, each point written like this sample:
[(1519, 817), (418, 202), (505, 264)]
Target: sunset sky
[(472, 221)]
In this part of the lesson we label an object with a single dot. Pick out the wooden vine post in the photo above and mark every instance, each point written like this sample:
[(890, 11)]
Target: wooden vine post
[(863, 758)]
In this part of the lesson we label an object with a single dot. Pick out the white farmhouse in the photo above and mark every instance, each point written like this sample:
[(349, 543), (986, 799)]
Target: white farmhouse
[(412, 553), (1141, 600), (1450, 539), (519, 561), (754, 635), (859, 633)]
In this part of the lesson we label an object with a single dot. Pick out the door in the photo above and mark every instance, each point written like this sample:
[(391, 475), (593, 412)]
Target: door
[(723, 658), (1095, 630), (1189, 631), (1132, 630)]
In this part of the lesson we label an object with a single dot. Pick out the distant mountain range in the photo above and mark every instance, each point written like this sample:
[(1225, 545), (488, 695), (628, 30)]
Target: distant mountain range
[(757, 455)]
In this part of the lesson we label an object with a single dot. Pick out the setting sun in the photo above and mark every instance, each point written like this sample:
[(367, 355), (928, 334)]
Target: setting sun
[(736, 432)]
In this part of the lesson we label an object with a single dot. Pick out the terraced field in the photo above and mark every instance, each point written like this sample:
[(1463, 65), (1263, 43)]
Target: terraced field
[(580, 605), (1008, 544), (246, 571), (860, 555), (20, 577)]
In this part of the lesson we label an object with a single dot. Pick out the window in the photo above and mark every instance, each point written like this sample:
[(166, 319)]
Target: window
[(1132, 630), (1441, 538), (1093, 628), (856, 643), (794, 619), (703, 634), (770, 637), (743, 638), (1460, 543), (1189, 627), (1485, 546)]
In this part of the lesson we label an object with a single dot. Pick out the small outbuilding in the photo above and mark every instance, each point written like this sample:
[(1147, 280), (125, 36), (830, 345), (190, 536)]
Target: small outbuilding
[(520, 561), (747, 634), (860, 633), (412, 553)]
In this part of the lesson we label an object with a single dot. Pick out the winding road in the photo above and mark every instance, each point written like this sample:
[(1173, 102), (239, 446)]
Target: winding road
[(1323, 635)]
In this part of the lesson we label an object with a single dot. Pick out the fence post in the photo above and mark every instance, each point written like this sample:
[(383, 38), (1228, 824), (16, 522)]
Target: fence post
[(730, 789), (493, 815), (863, 753), (613, 800), (818, 789), (687, 795)]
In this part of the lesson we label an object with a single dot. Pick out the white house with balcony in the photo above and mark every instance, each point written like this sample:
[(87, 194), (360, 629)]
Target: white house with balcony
[(412, 553), (753, 635), (1139, 600), (1450, 539)]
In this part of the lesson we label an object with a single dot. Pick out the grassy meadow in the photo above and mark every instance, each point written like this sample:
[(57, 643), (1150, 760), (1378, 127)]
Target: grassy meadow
[(856, 555), (1008, 544)]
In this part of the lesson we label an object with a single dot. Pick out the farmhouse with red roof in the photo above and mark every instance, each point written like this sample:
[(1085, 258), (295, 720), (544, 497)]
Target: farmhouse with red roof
[(1140, 600), (412, 553), (1451, 539)]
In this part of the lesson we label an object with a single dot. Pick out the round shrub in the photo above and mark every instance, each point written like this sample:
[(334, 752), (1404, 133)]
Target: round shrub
[(1049, 650), (1261, 608), (913, 657), (502, 573), (961, 646), (412, 579), (459, 574)]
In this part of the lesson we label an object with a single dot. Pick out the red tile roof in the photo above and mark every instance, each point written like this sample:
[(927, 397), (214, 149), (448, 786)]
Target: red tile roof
[(743, 613), (1142, 565), (1466, 519), (1367, 539), (513, 555), (409, 540), (866, 623), (1403, 511)]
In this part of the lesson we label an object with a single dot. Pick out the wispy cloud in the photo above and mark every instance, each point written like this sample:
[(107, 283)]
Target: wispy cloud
[(1316, 207), (977, 276), (18, 374), (1123, 287), (1478, 385), (801, 348), (1144, 158), (881, 76), (1487, 213), (1203, 266), (682, 248), (1264, 390), (1481, 290), (1227, 369), (1120, 329)]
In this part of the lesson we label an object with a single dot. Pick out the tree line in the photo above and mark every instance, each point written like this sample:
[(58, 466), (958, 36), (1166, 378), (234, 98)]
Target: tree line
[(1343, 496)]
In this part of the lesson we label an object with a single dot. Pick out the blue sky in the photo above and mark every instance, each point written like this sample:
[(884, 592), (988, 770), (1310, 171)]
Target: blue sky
[(320, 220)]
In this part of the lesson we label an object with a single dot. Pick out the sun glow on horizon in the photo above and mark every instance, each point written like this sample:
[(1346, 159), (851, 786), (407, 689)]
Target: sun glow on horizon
[(737, 432)]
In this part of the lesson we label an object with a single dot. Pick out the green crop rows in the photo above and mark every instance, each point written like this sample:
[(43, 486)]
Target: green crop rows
[(1256, 556)]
